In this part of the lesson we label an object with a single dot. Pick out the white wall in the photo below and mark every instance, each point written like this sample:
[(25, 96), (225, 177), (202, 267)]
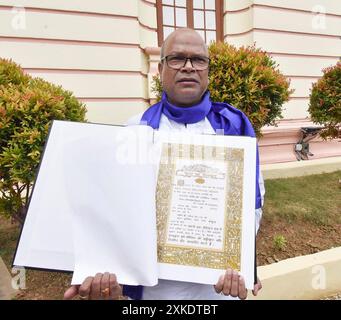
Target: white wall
[(93, 48), (302, 36)]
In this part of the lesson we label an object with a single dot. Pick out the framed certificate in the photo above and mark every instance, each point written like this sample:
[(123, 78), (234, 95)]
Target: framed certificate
[(205, 207)]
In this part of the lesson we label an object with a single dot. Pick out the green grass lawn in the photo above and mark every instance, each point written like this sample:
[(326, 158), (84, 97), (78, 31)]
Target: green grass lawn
[(314, 198)]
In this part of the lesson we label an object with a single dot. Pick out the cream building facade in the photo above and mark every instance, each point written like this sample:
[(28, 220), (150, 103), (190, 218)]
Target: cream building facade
[(107, 51)]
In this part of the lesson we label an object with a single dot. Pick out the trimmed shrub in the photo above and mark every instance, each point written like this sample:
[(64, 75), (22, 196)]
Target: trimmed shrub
[(248, 79), (325, 102), (27, 107)]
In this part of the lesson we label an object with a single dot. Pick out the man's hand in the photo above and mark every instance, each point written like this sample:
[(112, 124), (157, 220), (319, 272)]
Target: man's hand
[(231, 283), (257, 287), (101, 287)]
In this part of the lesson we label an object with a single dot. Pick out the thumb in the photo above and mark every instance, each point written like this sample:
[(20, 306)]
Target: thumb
[(71, 292), (257, 287)]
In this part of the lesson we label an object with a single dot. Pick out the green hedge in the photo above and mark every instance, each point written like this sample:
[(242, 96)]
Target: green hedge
[(27, 107), (325, 101)]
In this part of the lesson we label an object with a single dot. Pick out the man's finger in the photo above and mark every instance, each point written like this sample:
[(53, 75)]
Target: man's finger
[(71, 292), (105, 286), (242, 290), (257, 287), (219, 285), (85, 288), (227, 282), (95, 290), (115, 288), (234, 284)]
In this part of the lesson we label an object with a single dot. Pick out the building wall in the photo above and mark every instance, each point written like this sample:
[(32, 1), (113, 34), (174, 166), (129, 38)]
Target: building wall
[(93, 48), (106, 53), (303, 37), (302, 41)]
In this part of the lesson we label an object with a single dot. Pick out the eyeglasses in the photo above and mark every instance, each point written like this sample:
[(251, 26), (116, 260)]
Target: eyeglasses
[(177, 62)]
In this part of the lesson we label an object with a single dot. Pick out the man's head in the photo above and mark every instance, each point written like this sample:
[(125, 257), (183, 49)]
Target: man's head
[(186, 85)]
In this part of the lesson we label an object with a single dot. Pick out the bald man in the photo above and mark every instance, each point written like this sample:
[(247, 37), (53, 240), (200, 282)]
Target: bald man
[(185, 106)]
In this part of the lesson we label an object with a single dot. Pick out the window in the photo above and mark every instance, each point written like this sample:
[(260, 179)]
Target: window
[(205, 16)]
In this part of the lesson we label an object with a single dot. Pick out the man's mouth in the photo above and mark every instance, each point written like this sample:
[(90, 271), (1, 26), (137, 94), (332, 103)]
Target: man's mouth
[(187, 80)]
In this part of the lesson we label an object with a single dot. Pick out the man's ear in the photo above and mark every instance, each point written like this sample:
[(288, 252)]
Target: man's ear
[(160, 67)]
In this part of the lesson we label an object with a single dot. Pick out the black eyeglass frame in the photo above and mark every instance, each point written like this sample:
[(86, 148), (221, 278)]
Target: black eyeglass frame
[(166, 58)]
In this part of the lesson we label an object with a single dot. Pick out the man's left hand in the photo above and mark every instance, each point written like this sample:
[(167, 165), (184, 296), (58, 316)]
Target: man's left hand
[(233, 284)]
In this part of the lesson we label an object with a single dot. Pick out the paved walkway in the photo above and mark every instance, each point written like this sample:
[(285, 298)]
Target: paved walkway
[(6, 290)]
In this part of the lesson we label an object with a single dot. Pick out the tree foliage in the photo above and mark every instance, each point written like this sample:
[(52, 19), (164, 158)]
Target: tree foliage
[(325, 101), (248, 79), (27, 107)]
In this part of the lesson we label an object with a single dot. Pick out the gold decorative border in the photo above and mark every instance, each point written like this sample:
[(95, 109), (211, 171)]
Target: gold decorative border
[(231, 253)]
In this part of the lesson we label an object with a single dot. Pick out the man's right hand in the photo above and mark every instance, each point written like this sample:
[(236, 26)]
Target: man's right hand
[(103, 286)]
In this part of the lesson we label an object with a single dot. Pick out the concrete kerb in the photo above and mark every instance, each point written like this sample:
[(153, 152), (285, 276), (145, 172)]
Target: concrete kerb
[(306, 277), (300, 168)]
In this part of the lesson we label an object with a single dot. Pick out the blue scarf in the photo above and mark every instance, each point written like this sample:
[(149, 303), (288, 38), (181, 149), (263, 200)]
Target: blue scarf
[(222, 117)]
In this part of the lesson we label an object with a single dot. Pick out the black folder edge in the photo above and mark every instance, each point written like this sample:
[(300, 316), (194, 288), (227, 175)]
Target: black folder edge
[(29, 202)]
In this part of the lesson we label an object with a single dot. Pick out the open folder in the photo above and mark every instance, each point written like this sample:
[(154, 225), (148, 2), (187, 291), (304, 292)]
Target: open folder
[(142, 204)]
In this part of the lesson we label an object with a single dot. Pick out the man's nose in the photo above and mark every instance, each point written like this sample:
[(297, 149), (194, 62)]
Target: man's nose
[(188, 65)]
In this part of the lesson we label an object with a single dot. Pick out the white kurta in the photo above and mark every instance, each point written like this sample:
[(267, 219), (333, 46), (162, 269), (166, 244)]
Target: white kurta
[(178, 290)]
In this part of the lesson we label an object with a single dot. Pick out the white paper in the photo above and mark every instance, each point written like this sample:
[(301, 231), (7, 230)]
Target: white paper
[(93, 205), (210, 275), (196, 217), (113, 204)]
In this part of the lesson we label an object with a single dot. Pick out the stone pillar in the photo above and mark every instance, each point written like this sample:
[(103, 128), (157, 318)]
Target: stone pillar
[(153, 54)]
